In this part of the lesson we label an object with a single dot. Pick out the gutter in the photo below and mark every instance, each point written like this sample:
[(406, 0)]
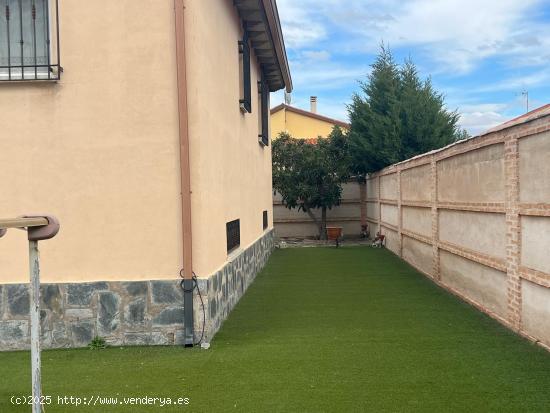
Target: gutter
[(186, 223)]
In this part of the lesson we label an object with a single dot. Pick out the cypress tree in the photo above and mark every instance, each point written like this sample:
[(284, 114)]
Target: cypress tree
[(397, 116), (375, 126)]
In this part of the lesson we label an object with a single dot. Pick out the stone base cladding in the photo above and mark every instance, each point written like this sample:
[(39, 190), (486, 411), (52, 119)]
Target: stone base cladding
[(222, 291), (127, 313)]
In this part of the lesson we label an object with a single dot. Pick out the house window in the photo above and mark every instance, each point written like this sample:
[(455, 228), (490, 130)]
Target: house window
[(266, 223), (246, 86), (25, 52), (233, 230), (263, 92)]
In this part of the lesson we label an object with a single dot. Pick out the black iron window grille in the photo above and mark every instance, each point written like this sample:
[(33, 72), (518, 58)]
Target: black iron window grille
[(26, 49), (233, 230), (265, 220), (263, 91), (246, 86)]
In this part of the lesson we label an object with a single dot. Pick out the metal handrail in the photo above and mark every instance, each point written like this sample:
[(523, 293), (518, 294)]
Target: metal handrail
[(39, 228), (23, 222)]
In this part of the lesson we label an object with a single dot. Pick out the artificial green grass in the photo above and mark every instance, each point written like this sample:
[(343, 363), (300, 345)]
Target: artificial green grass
[(320, 330)]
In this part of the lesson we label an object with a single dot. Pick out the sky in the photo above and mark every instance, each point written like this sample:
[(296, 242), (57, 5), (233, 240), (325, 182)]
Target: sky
[(483, 55)]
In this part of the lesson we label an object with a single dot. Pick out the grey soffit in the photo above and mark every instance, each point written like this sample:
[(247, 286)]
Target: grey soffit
[(267, 43)]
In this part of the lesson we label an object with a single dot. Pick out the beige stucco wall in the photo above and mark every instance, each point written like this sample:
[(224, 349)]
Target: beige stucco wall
[(293, 223), (392, 240), (415, 184), (535, 241), (388, 214), (99, 149), (372, 187), (534, 168), (418, 253), (388, 187), (476, 231), (477, 221), (417, 220), (307, 229), (372, 210), (230, 171), (485, 285), (476, 176), (536, 310)]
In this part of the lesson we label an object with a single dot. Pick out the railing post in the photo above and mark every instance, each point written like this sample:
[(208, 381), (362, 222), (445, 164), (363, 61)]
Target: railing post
[(34, 266), (39, 228)]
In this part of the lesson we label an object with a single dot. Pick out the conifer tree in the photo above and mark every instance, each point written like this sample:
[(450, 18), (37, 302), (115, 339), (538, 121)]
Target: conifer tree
[(397, 116)]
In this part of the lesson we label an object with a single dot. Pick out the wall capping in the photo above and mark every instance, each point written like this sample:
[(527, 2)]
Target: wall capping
[(509, 205)]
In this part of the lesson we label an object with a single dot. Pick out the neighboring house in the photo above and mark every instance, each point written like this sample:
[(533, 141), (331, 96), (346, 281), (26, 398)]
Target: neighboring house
[(144, 127), (351, 213), (301, 123)]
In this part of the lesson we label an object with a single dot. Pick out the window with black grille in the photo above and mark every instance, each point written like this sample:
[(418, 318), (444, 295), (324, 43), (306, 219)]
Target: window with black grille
[(265, 220), (246, 85), (233, 230), (26, 51), (263, 92)]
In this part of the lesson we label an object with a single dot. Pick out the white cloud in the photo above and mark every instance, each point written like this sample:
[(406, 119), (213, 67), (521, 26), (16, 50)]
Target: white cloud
[(517, 83), (477, 122), (326, 40), (316, 55), (325, 76), (455, 34), (299, 27), (477, 118)]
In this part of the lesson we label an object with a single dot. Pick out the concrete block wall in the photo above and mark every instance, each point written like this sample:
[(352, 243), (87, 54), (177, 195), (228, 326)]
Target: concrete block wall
[(348, 215), (475, 218)]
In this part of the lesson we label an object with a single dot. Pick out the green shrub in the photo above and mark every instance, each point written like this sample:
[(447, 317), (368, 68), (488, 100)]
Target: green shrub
[(98, 343)]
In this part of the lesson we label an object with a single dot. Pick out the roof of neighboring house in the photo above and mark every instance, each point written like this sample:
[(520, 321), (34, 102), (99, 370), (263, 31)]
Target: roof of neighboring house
[(261, 21), (310, 115)]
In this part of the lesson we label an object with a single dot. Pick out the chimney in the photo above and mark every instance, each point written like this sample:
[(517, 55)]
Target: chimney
[(313, 101)]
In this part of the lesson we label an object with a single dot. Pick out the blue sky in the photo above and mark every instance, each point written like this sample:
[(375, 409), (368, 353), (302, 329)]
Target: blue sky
[(480, 53)]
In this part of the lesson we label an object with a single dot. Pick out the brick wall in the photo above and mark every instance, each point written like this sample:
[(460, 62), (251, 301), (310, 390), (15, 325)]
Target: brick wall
[(475, 218)]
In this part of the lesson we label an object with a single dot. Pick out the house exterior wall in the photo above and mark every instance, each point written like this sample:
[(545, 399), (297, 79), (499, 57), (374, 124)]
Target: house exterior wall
[(230, 171), (299, 126), (475, 218), (278, 123), (99, 149)]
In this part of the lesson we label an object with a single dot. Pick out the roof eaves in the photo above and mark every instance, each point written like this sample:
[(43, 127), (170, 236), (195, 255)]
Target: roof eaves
[(272, 13), (261, 19)]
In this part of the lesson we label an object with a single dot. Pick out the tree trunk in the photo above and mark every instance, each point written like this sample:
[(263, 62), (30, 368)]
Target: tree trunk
[(323, 227), (318, 223)]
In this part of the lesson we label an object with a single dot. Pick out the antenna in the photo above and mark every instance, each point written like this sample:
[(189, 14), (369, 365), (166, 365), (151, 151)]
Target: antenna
[(526, 94), (288, 98)]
